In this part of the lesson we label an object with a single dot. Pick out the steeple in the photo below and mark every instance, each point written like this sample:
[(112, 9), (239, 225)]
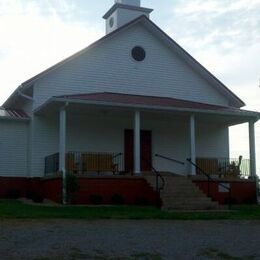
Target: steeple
[(122, 12)]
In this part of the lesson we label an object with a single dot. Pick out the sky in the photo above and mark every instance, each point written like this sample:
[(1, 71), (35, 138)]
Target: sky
[(223, 35)]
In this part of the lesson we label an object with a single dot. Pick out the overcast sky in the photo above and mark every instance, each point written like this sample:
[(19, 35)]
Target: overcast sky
[(223, 35)]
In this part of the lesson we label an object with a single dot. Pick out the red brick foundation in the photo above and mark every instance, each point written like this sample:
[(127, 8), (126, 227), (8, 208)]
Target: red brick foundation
[(19, 185), (242, 191), (132, 190)]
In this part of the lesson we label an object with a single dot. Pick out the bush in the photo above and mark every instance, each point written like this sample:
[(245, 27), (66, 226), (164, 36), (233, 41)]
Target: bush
[(29, 195), (95, 199), (117, 199), (71, 183), (13, 194), (35, 196), (141, 201), (71, 186)]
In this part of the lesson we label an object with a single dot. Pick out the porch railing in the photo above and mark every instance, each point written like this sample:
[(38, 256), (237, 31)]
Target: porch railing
[(86, 162), (51, 163), (225, 167)]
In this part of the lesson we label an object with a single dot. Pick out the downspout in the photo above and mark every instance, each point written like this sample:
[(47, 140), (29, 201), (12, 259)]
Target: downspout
[(30, 138)]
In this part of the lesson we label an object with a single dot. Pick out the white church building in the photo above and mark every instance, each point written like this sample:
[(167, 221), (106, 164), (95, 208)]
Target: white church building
[(131, 102)]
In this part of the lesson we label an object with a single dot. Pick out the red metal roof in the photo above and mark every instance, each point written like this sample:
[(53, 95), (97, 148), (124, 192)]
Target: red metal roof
[(13, 113), (149, 101)]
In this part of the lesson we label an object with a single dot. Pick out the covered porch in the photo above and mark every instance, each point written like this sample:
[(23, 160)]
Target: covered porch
[(119, 133)]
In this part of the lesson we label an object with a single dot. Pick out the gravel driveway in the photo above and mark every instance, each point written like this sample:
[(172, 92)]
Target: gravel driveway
[(129, 239)]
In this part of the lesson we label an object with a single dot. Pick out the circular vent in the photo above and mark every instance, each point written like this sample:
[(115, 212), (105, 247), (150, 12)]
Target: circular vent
[(138, 53)]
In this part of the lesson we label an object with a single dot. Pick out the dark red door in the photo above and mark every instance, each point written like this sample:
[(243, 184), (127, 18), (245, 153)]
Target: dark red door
[(146, 150), (129, 150)]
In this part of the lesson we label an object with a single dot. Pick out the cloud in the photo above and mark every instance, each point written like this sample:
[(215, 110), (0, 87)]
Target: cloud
[(215, 22), (224, 36), (37, 34)]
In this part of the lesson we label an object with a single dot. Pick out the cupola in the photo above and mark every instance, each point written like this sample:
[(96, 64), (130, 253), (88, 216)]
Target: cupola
[(123, 12)]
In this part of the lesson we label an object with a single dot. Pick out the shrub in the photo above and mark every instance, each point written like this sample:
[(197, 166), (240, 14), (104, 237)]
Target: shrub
[(35, 196), (29, 194), (117, 199), (95, 199), (141, 201), (13, 194), (71, 183), (71, 186)]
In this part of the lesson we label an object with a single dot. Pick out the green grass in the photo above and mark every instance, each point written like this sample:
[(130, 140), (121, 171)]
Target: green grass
[(12, 209)]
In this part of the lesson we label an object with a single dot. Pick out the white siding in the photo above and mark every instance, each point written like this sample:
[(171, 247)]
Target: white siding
[(13, 148), (212, 140), (110, 67), (105, 133), (44, 141)]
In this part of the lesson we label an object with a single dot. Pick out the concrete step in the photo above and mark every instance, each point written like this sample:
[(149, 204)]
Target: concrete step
[(185, 192), (184, 189), (180, 193), (187, 201), (192, 208), (181, 198)]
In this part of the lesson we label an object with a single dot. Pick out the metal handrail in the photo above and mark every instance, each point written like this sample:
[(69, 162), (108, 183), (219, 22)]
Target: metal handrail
[(210, 179), (117, 155), (158, 175), (169, 159)]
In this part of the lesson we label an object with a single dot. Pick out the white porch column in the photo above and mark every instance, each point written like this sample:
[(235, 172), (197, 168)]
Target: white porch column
[(62, 151), (192, 144), (137, 148), (251, 128)]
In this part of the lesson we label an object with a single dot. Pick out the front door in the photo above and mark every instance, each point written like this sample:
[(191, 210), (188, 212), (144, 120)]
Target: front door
[(146, 150)]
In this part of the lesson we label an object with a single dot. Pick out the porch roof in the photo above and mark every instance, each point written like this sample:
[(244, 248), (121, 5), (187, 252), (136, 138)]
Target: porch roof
[(150, 102), (16, 114)]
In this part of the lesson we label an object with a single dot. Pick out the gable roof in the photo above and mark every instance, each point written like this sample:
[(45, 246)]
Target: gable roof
[(234, 99)]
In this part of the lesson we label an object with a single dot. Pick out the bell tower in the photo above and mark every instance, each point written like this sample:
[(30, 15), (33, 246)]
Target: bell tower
[(122, 12)]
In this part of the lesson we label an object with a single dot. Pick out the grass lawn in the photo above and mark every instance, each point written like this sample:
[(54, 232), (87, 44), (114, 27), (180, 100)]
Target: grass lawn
[(12, 209)]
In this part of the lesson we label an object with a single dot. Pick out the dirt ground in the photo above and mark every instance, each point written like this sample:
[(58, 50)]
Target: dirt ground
[(129, 239)]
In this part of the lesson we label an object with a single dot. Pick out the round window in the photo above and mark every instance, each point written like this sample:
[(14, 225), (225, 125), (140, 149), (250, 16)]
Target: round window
[(138, 53), (111, 22)]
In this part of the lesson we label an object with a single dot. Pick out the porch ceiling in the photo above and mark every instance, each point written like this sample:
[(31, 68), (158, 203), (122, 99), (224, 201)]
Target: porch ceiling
[(124, 105)]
